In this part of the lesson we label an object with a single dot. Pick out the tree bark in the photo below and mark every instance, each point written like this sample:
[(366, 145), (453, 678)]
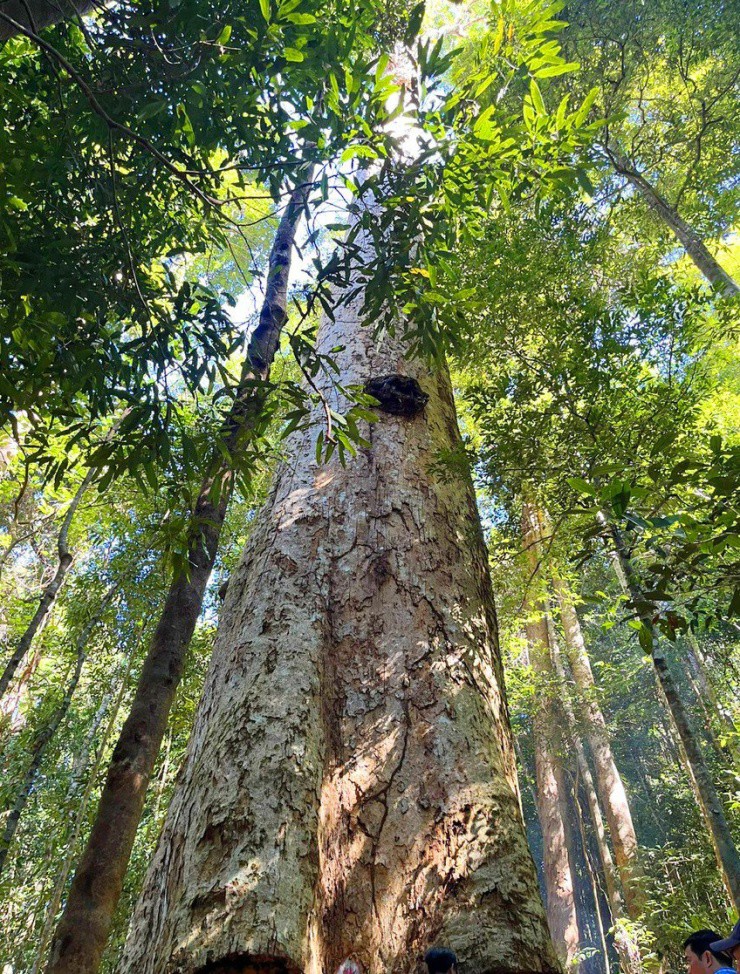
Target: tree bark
[(37, 14), (627, 949), (551, 795), (349, 789), (609, 784), (51, 591), (707, 796), (688, 237), (709, 699), (85, 923), (78, 807)]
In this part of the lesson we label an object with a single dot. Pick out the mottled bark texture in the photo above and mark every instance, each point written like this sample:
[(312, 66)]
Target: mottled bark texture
[(692, 243), (83, 929), (349, 789), (609, 784), (551, 785)]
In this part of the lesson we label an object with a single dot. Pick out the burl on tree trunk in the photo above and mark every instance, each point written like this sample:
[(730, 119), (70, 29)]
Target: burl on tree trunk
[(349, 789)]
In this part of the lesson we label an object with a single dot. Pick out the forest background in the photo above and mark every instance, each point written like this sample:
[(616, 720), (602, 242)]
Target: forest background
[(559, 187)]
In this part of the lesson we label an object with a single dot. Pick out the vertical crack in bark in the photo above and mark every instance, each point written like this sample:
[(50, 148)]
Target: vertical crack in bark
[(383, 795)]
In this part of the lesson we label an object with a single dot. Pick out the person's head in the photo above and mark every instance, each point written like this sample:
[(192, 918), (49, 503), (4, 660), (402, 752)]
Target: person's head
[(700, 955), (731, 945), (440, 960)]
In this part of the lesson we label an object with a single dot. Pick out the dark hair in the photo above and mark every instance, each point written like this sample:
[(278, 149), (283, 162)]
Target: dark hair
[(439, 960), (702, 940)]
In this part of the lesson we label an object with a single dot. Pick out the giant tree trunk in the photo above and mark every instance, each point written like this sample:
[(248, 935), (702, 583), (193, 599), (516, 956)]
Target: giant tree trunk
[(551, 786), (688, 237), (706, 793), (84, 926), (610, 787), (349, 789)]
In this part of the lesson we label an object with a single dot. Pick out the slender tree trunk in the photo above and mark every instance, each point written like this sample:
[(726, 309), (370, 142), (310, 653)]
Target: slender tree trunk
[(80, 810), (706, 793), (551, 795), (709, 699), (51, 591), (349, 790), (690, 240), (627, 949), (609, 784), (593, 876), (163, 776), (12, 716), (45, 737), (84, 926)]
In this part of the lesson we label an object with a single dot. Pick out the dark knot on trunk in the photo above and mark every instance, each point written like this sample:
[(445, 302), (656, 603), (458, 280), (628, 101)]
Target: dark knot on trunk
[(399, 395)]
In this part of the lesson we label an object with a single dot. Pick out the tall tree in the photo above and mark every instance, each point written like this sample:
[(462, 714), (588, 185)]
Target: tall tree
[(610, 786), (51, 589), (46, 734), (623, 933), (551, 781), (371, 807), (707, 796), (666, 81)]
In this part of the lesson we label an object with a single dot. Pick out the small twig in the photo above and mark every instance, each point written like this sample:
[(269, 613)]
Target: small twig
[(324, 402), (121, 227)]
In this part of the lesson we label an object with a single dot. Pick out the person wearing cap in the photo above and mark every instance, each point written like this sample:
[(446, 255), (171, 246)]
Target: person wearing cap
[(440, 960), (730, 946), (702, 957)]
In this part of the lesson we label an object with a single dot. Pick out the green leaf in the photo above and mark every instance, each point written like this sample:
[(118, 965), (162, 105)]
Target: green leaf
[(582, 486), (536, 96), (293, 54), (300, 19), (553, 70), (645, 637), (588, 101), (415, 18), (265, 8)]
